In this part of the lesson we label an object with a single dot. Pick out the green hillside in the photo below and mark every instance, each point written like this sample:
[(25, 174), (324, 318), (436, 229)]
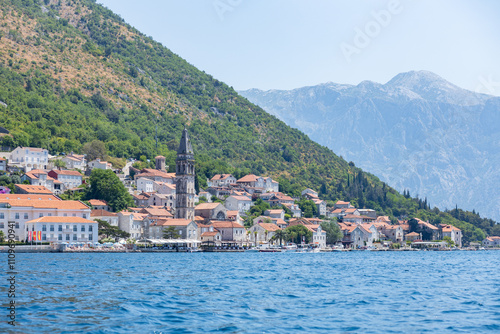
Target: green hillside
[(72, 71)]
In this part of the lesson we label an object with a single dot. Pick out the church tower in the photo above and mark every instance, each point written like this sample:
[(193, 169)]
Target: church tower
[(184, 175)]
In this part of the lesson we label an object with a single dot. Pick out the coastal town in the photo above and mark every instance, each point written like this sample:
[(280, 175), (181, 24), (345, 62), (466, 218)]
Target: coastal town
[(169, 215)]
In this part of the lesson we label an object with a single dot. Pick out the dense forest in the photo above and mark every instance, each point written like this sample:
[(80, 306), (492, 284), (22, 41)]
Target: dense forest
[(72, 71)]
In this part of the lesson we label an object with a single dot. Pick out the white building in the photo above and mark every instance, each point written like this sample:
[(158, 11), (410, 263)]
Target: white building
[(69, 178), (132, 223), (30, 158), (20, 208), (73, 161), (319, 236), (145, 185), (221, 180), (98, 164), (241, 204), (364, 235), (64, 229)]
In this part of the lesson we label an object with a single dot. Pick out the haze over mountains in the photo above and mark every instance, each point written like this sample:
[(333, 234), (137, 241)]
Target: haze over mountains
[(416, 132)]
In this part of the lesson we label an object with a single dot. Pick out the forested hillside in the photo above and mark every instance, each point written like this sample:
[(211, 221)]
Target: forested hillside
[(72, 72)]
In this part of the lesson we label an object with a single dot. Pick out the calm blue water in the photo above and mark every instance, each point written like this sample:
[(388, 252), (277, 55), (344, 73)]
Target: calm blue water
[(361, 292)]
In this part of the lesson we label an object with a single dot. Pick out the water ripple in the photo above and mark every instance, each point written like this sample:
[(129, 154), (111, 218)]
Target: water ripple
[(369, 292)]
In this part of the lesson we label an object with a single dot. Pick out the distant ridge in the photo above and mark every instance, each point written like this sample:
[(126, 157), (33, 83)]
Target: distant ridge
[(417, 131)]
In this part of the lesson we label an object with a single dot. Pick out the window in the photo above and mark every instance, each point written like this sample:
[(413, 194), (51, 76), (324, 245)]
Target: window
[(67, 237), (51, 228), (74, 215), (65, 215), (1, 215), (74, 237), (90, 236), (44, 237), (1, 225), (41, 215), (17, 225), (17, 215), (50, 214), (75, 228), (83, 228), (85, 216), (25, 216), (59, 237), (44, 228), (59, 228), (90, 228)]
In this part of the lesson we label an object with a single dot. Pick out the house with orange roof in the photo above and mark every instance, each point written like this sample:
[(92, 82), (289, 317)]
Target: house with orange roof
[(492, 241), (321, 206), (68, 229), (156, 213), (20, 208), (347, 229), (186, 228), (363, 235), (99, 204), (98, 164), (38, 177), (69, 178), (164, 188), (242, 204), (253, 183), (453, 232), (133, 223), (230, 231), (211, 211), (342, 205), (221, 180), (393, 232), (211, 237), (296, 212), (413, 236), (309, 193), (357, 219), (156, 175), (75, 161), (163, 200), (107, 216), (262, 233), (275, 213)]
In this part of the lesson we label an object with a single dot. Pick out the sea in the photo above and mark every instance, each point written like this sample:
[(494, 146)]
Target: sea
[(338, 292)]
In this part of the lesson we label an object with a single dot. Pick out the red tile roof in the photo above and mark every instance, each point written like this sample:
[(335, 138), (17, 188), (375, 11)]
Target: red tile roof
[(33, 189), (58, 219), (66, 172), (270, 227), (225, 224)]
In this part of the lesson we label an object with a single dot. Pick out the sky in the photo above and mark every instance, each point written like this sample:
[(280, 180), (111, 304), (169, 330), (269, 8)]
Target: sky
[(287, 44)]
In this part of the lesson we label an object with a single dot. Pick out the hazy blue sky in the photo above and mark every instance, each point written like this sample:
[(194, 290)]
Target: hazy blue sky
[(285, 44)]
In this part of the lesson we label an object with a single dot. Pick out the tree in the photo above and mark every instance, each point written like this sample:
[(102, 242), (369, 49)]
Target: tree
[(105, 185), (279, 235), (171, 233), (107, 230), (59, 163), (2, 236), (413, 224), (296, 232), (496, 230), (333, 232), (95, 150), (448, 240), (308, 207)]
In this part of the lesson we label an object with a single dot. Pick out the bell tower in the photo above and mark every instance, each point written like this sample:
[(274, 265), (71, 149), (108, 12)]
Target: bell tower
[(184, 174)]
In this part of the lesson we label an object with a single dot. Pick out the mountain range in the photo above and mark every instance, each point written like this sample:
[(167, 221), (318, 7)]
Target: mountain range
[(417, 132)]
